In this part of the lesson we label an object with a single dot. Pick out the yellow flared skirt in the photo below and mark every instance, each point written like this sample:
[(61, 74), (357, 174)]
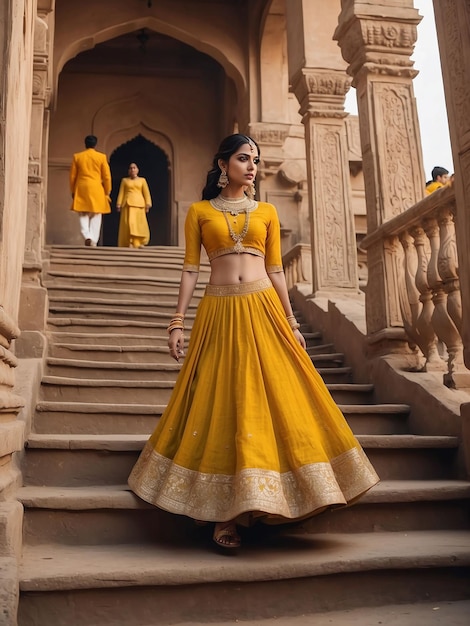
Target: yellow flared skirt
[(250, 429), (133, 227)]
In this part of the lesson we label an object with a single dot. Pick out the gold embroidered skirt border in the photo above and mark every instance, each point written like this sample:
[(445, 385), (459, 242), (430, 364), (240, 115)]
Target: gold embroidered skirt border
[(290, 495)]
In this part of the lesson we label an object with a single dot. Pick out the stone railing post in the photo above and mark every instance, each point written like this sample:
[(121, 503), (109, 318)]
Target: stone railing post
[(377, 41), (424, 326)]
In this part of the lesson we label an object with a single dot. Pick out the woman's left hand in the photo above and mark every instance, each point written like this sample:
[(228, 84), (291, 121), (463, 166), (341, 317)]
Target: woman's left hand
[(300, 338)]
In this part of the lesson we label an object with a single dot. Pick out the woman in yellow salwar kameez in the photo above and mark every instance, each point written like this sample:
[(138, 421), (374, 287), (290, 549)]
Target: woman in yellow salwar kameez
[(250, 431), (133, 203)]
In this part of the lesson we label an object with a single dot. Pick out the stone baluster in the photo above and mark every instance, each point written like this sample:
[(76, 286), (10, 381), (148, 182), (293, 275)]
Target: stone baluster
[(410, 303), (441, 320), (447, 263), (428, 338)]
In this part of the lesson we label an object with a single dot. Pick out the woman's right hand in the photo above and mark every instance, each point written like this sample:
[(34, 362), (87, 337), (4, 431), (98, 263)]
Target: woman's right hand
[(176, 344)]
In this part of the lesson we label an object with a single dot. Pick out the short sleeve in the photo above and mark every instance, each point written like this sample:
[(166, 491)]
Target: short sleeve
[(273, 256), (192, 233)]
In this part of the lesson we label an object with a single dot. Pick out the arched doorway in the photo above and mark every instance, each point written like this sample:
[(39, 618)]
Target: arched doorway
[(154, 167)]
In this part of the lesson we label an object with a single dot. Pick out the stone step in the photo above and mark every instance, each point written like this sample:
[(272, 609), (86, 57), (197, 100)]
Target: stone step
[(117, 352), (441, 612), (274, 574), (322, 348), (57, 250), (149, 283), (333, 359), (113, 514), (115, 341), (164, 369), (56, 290), (352, 393), (100, 392), (127, 407), (81, 418), (158, 305), (334, 374), (108, 459), (129, 268), (155, 314), (98, 326)]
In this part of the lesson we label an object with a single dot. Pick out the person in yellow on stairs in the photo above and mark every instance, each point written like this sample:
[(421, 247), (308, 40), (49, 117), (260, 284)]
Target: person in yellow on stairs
[(251, 432), (90, 185), (133, 203)]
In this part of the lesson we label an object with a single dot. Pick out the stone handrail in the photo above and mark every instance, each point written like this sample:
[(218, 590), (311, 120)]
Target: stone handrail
[(298, 265), (421, 244)]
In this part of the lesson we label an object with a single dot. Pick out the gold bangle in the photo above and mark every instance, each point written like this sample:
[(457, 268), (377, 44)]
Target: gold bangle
[(175, 325), (293, 323)]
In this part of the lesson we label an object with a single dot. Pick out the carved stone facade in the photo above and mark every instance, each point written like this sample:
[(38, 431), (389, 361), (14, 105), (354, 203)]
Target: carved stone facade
[(174, 77)]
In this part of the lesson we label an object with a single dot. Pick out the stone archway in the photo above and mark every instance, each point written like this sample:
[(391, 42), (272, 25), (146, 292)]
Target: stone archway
[(154, 167)]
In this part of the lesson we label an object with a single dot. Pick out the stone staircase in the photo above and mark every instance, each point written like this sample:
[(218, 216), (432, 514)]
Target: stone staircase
[(95, 554)]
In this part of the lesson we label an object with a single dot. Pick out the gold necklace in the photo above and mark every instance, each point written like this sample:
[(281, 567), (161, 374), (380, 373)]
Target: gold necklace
[(235, 207)]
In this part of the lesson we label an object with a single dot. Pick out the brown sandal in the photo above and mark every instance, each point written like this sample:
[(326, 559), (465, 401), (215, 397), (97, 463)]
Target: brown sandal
[(226, 536)]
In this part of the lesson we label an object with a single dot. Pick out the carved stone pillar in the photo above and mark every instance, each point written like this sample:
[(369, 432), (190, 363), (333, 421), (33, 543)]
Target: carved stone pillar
[(318, 80), (321, 95), (33, 304), (377, 41), (453, 31)]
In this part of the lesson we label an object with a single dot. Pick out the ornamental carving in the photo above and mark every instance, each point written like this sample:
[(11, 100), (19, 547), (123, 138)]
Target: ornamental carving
[(388, 35), (273, 137), (332, 254), (327, 84), (39, 83), (399, 144)]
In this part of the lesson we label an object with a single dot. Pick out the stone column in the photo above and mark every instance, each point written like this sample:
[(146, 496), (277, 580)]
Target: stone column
[(320, 84), (453, 30), (33, 303), (377, 41)]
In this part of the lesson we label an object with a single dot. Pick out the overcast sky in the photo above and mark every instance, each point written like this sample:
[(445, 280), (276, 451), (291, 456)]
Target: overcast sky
[(429, 94)]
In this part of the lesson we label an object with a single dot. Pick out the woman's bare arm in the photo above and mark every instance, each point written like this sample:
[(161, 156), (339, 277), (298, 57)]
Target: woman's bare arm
[(186, 290), (278, 280)]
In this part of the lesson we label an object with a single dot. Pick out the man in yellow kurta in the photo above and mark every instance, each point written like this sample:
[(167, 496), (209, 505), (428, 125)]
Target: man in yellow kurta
[(90, 184)]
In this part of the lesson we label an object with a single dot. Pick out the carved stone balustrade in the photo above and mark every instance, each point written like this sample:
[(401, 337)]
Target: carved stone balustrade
[(425, 268), (298, 265)]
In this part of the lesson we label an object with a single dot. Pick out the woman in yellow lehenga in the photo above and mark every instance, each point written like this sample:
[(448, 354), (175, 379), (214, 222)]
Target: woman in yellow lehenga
[(133, 203), (250, 431)]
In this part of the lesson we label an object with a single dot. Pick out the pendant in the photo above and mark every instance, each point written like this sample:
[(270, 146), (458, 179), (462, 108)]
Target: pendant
[(238, 247)]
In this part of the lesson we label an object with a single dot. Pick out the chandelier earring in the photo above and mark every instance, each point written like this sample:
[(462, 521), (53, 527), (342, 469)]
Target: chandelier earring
[(223, 180), (251, 190)]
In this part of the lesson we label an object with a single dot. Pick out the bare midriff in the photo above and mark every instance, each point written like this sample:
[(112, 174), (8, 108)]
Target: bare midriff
[(232, 269)]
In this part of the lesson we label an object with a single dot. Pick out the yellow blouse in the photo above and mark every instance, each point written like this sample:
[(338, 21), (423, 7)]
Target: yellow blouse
[(207, 226), (134, 192)]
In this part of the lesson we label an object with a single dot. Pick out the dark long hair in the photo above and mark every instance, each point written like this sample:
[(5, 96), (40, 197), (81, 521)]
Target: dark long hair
[(228, 146)]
